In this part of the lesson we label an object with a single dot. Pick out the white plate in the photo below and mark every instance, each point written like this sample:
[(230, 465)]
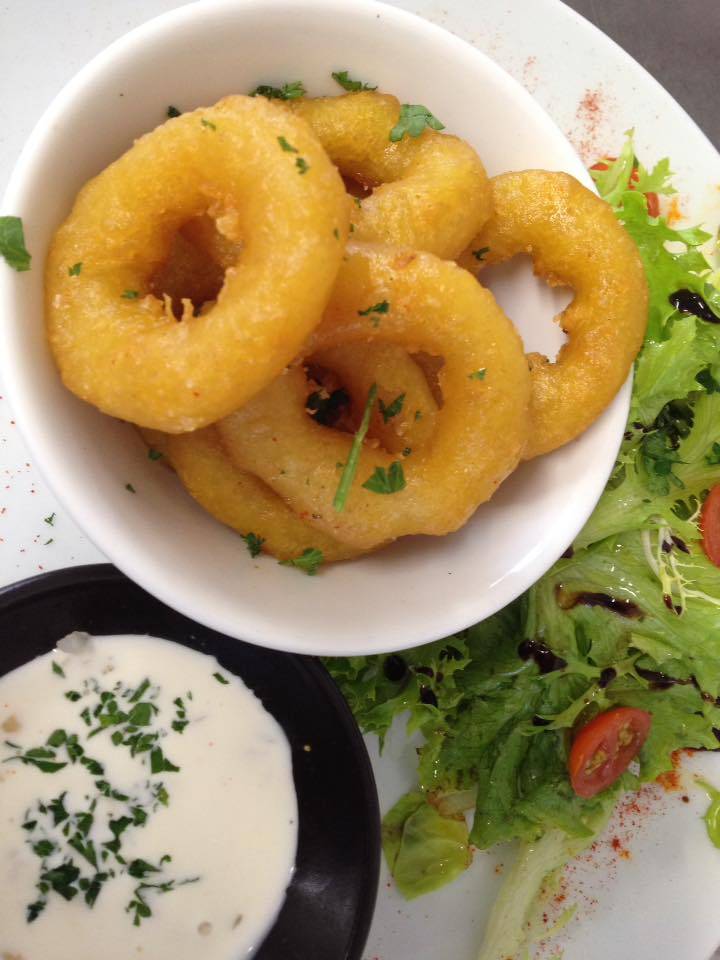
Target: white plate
[(659, 905)]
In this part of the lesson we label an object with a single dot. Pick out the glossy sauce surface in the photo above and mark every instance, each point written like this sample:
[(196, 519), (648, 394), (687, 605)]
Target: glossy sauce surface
[(147, 806)]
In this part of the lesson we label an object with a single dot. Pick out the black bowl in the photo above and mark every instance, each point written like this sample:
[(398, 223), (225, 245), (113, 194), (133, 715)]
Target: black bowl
[(330, 901)]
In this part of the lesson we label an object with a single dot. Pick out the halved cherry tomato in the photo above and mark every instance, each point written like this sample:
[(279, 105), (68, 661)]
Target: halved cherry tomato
[(653, 201), (710, 525), (604, 748)]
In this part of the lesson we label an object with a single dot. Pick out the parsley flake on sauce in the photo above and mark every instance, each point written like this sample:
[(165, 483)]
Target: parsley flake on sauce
[(481, 253), (75, 269), (309, 560), (477, 374), (348, 474), (130, 294), (76, 861), (287, 147), (413, 120), (208, 123), (12, 244), (50, 520), (347, 83), (220, 678), (302, 165), (154, 454), (288, 91), (387, 481)]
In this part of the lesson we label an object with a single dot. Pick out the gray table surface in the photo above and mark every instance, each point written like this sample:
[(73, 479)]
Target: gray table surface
[(678, 42)]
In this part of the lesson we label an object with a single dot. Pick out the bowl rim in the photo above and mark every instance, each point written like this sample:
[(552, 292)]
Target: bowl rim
[(93, 579), (257, 628)]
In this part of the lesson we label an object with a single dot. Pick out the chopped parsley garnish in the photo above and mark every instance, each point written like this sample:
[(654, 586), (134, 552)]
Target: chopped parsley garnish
[(418, 415), (308, 561), (208, 123), (253, 542), (287, 147), (347, 83), (477, 374), (139, 905), (12, 244), (154, 454), (45, 760), (220, 678), (47, 542), (392, 409), (481, 253), (75, 269), (302, 165), (159, 763), (140, 692), (173, 112), (180, 721), (130, 294), (407, 451), (288, 91), (348, 474), (391, 480), (74, 860), (413, 119), (336, 233), (382, 307), (50, 520), (130, 488)]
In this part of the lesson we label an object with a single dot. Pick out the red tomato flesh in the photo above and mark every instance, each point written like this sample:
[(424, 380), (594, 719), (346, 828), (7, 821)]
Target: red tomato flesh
[(710, 525), (604, 748)]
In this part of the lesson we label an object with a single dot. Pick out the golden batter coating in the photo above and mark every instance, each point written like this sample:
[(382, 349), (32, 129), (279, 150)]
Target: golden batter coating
[(480, 433), (117, 344), (575, 240)]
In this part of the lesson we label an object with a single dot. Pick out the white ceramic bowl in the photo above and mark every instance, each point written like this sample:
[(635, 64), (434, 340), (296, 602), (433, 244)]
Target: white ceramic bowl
[(417, 590)]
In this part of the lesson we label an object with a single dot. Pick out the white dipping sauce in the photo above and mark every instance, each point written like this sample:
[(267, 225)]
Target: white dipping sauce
[(229, 822)]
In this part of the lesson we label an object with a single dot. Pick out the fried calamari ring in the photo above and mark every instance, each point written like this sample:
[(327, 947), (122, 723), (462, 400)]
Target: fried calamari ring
[(400, 382), (430, 192), (199, 253), (238, 499), (574, 240), (120, 347), (480, 432)]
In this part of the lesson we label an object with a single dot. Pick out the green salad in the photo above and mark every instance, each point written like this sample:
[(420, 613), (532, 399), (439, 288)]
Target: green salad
[(629, 617)]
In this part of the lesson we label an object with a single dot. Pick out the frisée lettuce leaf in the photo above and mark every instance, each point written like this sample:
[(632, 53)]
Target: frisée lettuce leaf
[(629, 617)]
